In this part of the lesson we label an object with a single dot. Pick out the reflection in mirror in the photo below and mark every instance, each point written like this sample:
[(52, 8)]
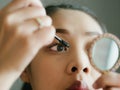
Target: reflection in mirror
[(105, 53)]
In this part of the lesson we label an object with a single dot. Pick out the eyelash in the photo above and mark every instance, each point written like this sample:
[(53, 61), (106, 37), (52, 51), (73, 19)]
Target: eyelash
[(57, 47)]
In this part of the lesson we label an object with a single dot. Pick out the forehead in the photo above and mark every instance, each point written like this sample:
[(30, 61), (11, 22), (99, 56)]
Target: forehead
[(75, 21)]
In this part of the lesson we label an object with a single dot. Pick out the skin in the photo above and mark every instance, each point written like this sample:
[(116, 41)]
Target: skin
[(22, 39), (53, 66), (51, 69)]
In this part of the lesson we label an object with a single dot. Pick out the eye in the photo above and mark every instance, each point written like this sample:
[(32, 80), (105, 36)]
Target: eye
[(58, 47)]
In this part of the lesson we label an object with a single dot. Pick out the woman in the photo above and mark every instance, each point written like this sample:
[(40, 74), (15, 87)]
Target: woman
[(52, 66)]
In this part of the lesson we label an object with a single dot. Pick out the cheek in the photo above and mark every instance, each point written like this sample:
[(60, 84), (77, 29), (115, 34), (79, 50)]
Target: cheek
[(95, 74), (47, 70)]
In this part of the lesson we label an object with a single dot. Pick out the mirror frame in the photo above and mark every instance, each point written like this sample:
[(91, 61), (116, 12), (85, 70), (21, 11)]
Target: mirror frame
[(105, 35)]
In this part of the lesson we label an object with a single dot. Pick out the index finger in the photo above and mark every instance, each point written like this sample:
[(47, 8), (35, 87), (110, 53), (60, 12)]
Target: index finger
[(38, 2), (18, 4)]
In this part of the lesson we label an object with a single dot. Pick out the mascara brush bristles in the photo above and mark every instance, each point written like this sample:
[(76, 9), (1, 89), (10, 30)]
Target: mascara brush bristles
[(66, 44)]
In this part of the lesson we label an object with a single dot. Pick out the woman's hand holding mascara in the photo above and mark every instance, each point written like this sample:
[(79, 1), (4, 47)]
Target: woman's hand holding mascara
[(21, 37)]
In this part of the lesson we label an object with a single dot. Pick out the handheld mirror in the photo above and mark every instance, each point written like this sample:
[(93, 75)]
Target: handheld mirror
[(105, 53)]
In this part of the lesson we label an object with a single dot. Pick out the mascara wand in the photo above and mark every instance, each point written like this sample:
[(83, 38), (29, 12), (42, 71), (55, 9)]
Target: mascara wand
[(66, 44)]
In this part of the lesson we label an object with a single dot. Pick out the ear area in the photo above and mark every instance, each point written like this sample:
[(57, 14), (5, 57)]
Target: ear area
[(25, 76)]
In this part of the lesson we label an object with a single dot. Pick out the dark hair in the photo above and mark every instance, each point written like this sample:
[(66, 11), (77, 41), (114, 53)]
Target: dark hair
[(54, 8)]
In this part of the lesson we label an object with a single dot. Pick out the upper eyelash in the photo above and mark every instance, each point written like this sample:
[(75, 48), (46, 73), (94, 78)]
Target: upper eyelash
[(57, 44), (53, 45)]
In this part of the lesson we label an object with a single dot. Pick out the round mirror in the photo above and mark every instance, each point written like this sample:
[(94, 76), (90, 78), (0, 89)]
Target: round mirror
[(105, 53)]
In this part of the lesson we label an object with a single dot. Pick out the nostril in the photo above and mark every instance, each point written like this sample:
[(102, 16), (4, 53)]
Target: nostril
[(85, 70), (73, 69)]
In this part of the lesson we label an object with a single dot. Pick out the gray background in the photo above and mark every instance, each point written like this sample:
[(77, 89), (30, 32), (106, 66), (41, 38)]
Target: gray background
[(108, 11)]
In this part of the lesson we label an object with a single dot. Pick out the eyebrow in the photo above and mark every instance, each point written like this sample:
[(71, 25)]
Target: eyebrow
[(92, 33), (63, 31)]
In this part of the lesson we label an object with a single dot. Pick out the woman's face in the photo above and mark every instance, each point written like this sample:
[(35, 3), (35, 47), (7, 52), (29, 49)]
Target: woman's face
[(59, 68)]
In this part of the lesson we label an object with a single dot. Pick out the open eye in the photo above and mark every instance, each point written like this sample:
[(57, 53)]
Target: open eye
[(58, 48)]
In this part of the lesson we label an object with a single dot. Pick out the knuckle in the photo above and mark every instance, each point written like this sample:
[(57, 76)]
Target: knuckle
[(47, 21), (17, 30), (37, 11), (52, 28), (8, 19), (42, 11), (49, 18)]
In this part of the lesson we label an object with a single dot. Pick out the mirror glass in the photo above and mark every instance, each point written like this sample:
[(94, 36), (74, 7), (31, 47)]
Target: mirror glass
[(105, 53)]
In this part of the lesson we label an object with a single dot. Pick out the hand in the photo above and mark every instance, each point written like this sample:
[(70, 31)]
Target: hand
[(21, 38), (108, 81)]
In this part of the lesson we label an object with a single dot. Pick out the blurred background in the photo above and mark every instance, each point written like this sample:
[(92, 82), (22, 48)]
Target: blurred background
[(108, 11)]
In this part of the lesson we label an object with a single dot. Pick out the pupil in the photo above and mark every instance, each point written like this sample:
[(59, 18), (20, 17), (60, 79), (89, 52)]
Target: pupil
[(60, 48)]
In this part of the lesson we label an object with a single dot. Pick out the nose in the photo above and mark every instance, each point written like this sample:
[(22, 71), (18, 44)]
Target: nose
[(79, 63)]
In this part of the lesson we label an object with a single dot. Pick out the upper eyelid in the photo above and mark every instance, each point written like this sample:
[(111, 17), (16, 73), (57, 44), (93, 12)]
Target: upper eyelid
[(62, 31), (53, 44)]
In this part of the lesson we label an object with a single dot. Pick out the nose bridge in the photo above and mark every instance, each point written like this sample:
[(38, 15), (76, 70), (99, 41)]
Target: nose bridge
[(79, 57), (79, 60)]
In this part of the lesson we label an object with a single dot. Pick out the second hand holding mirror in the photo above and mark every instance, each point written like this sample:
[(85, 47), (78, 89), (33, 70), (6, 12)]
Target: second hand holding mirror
[(105, 53)]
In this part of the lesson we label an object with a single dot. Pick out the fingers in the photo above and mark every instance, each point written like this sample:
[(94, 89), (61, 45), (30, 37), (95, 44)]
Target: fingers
[(32, 25), (18, 4), (19, 11), (44, 36), (22, 15), (19, 19), (26, 13), (108, 80)]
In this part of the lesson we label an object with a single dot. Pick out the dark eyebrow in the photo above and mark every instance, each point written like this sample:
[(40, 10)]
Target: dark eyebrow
[(63, 31), (92, 33)]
